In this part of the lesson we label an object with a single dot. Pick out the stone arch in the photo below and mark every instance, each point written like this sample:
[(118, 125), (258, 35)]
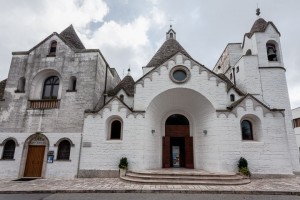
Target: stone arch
[(188, 102), (10, 138), (181, 112), (44, 141), (256, 126), (64, 138), (109, 122), (37, 83), (272, 44)]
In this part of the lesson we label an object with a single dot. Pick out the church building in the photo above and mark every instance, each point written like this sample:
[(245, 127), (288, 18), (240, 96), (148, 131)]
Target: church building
[(64, 112)]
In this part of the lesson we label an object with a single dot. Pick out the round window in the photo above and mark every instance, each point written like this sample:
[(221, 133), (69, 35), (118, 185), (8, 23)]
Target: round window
[(179, 74)]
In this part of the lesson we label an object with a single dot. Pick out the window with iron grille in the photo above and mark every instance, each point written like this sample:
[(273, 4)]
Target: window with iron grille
[(9, 150), (63, 152)]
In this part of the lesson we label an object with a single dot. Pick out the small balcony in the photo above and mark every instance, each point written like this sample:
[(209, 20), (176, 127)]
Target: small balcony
[(44, 104)]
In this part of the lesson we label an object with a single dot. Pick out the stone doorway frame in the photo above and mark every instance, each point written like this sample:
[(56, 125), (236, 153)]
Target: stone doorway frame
[(25, 152)]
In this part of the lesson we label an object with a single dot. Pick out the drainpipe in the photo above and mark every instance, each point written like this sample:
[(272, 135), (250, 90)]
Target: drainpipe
[(80, 147), (105, 83)]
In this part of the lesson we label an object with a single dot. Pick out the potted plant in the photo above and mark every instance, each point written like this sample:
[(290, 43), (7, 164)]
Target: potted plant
[(243, 167), (123, 165)]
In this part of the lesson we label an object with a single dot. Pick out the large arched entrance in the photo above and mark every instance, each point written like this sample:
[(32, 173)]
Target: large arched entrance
[(177, 143)]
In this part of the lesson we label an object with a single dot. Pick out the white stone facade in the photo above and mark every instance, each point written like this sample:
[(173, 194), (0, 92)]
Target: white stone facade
[(296, 116), (241, 87)]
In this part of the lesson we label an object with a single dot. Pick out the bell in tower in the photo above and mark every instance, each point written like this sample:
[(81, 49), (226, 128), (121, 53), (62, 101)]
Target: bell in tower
[(271, 51)]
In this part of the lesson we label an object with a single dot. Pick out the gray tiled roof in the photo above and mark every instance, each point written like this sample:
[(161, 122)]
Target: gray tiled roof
[(127, 84), (230, 84), (70, 36), (260, 25), (2, 88), (169, 48)]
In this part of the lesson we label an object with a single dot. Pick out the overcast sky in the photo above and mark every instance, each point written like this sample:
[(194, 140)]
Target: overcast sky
[(129, 32)]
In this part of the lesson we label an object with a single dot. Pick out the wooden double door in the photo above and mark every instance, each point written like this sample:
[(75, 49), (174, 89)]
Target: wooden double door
[(177, 138), (34, 161)]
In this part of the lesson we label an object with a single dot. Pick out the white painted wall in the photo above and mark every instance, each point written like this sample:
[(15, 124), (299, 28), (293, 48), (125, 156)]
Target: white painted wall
[(57, 169)]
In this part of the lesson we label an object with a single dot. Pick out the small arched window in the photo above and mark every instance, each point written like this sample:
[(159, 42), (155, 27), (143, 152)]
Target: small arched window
[(72, 83), (171, 35), (9, 150), (232, 97), (21, 85), (63, 152), (272, 52), (115, 130), (122, 97), (53, 46), (247, 130), (50, 89), (248, 52)]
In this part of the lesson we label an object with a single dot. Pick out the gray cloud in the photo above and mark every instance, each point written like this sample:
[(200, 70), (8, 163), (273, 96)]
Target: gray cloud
[(203, 28)]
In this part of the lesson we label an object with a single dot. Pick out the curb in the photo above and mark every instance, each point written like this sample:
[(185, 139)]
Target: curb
[(294, 193)]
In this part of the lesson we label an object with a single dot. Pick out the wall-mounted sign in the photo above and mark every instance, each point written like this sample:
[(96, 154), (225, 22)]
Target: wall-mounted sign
[(38, 140), (86, 144), (50, 158)]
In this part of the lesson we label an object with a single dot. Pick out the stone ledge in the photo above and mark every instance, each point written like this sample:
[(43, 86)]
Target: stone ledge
[(98, 174), (295, 193)]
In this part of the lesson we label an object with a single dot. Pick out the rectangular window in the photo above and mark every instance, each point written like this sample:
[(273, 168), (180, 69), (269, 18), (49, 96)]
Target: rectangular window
[(297, 122)]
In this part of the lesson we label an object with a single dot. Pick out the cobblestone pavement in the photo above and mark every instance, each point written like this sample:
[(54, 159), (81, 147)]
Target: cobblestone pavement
[(287, 186)]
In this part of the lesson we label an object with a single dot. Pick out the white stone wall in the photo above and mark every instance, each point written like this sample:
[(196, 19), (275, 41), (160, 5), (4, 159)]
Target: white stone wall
[(57, 169), (105, 154), (268, 153), (201, 80), (296, 115), (198, 99)]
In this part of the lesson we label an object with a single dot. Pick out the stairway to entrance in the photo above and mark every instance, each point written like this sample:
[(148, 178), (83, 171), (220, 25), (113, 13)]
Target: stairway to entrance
[(183, 176)]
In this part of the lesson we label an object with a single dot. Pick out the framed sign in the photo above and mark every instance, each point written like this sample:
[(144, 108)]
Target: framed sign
[(50, 158)]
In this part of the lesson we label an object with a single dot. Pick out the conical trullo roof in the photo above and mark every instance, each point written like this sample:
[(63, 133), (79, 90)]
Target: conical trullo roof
[(169, 48), (127, 84), (70, 36), (260, 25)]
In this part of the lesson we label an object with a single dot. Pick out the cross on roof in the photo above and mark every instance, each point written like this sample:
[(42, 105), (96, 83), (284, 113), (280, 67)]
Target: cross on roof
[(171, 20)]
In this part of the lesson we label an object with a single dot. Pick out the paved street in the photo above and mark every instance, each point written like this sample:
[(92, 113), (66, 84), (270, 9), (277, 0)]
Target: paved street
[(132, 196), (285, 186), (115, 189)]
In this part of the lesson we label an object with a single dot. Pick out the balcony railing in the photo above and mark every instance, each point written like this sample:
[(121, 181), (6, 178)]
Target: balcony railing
[(44, 104)]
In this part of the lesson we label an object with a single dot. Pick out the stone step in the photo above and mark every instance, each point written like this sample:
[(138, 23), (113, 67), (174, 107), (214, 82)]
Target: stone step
[(196, 177), (177, 174), (184, 182), (183, 177)]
